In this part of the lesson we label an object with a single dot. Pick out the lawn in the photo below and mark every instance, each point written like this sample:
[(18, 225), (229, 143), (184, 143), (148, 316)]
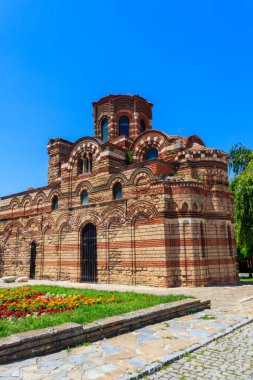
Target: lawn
[(28, 308), (246, 279)]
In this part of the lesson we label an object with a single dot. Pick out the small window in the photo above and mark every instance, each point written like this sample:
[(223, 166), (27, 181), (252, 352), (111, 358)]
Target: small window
[(104, 129), (84, 198), (124, 126), (55, 204), (117, 191), (79, 166), (151, 154), (185, 207), (84, 165), (142, 126)]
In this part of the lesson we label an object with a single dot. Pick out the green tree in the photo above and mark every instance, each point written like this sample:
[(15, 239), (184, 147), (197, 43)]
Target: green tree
[(242, 188)]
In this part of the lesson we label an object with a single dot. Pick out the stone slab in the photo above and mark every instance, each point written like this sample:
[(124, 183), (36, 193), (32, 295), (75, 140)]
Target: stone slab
[(9, 279), (52, 339)]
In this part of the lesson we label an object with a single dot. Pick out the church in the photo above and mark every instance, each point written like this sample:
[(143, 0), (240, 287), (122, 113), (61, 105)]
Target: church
[(131, 205)]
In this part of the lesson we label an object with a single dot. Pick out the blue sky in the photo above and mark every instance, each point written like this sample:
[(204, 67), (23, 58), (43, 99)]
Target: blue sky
[(192, 59)]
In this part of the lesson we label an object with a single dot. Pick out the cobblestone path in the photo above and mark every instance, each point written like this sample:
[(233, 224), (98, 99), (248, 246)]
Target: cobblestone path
[(128, 355), (230, 357)]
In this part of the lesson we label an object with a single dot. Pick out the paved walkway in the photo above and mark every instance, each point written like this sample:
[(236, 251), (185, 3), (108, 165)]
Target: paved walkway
[(133, 353), (228, 358)]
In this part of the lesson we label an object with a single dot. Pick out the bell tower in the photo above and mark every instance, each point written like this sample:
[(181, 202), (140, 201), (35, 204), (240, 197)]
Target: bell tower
[(121, 115)]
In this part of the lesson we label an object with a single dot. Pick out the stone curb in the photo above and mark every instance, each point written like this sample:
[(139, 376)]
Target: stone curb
[(52, 339), (157, 366)]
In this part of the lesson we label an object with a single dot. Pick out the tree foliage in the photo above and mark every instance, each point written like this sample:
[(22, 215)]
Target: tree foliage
[(242, 188), (240, 157)]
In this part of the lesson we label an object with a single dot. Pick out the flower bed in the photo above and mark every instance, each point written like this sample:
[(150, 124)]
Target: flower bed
[(21, 309), (27, 301)]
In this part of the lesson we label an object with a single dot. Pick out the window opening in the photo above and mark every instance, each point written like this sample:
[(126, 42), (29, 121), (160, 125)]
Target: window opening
[(104, 129), (117, 191), (55, 203), (124, 126), (151, 154)]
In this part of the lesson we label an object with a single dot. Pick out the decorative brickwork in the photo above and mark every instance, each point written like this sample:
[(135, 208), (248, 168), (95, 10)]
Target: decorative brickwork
[(170, 223)]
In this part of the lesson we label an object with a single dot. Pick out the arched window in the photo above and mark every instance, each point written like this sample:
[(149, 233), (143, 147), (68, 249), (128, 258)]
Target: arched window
[(84, 165), (79, 166), (151, 154), (124, 126), (55, 204), (84, 198), (185, 207), (117, 191), (104, 129), (142, 126)]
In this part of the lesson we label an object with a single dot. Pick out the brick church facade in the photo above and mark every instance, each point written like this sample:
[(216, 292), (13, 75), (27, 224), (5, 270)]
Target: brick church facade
[(131, 205)]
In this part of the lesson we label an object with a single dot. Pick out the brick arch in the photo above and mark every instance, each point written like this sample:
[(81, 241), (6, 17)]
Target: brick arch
[(86, 144), (102, 116), (27, 198), (14, 200), (112, 213), (140, 173), (147, 140), (139, 215), (142, 207), (88, 217), (48, 221), (84, 185), (31, 221), (64, 225), (8, 230), (117, 116), (53, 192), (72, 220), (116, 178), (140, 176), (40, 195), (61, 219)]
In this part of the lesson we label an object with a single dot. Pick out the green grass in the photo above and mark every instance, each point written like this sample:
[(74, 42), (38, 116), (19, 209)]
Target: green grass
[(207, 317), (246, 279), (85, 314)]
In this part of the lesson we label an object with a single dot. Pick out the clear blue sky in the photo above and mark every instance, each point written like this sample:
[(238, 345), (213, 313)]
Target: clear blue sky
[(192, 59)]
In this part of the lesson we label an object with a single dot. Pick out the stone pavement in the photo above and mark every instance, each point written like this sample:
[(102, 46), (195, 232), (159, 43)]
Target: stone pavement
[(145, 350), (228, 358)]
